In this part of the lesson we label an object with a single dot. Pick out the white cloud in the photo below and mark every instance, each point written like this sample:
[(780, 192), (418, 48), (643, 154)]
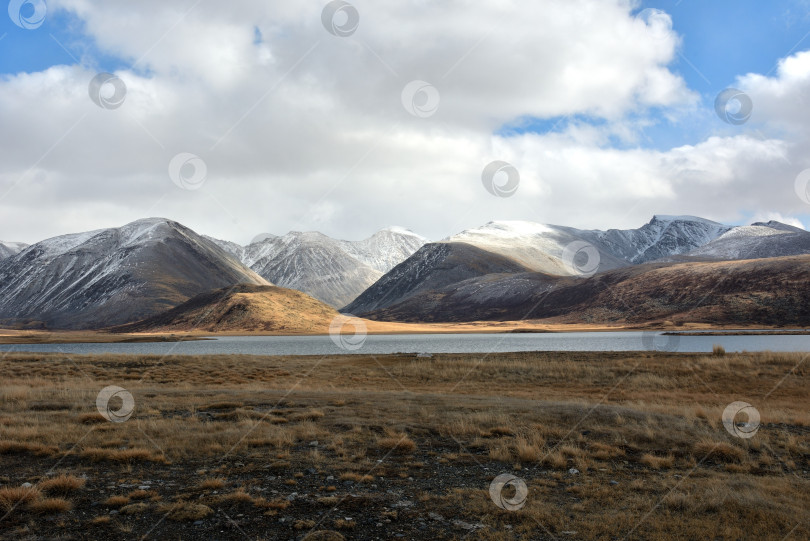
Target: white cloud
[(305, 130)]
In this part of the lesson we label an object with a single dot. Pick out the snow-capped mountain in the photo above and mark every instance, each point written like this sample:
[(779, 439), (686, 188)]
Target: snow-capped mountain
[(539, 247), (8, 249), (434, 266), (232, 248), (663, 236), (112, 276), (332, 271), (770, 291), (542, 248), (756, 241), (385, 249)]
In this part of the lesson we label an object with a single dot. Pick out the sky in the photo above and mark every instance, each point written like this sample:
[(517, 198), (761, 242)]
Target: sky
[(253, 116)]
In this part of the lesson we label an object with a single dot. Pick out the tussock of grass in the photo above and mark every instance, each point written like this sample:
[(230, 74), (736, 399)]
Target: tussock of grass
[(719, 450), (186, 511), (14, 497), (50, 506), (397, 443), (657, 462), (236, 496), (304, 524), (356, 477), (116, 501), (97, 454), (273, 504), (61, 484), (212, 483), (135, 508)]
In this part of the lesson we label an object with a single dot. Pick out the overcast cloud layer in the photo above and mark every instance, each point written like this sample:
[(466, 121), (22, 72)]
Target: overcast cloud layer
[(301, 129)]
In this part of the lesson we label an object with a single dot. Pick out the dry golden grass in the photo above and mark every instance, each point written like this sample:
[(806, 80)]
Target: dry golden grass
[(356, 477), (135, 508), (50, 506), (657, 462), (116, 501), (62, 484), (13, 497), (638, 419), (214, 483), (186, 511), (398, 443)]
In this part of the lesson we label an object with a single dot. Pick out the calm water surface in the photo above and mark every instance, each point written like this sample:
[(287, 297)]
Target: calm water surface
[(438, 343)]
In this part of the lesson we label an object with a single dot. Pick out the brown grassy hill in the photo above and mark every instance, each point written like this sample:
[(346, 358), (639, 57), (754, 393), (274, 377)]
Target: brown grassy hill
[(242, 308)]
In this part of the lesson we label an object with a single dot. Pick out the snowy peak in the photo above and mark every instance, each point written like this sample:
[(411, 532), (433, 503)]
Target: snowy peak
[(663, 218), (773, 224), (331, 270), (385, 249), (111, 276), (663, 236), (756, 241), (8, 249)]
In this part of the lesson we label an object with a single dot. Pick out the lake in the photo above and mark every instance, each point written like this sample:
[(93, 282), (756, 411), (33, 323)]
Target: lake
[(437, 343)]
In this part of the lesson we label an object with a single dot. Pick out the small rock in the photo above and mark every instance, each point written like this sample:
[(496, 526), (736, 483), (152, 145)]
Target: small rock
[(573, 471), (614, 482), (26, 485), (144, 487), (466, 525), (198, 522), (330, 478), (113, 511), (435, 516), (569, 533), (312, 471), (313, 443)]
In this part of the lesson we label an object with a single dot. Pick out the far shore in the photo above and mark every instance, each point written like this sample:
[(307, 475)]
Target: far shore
[(15, 336)]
